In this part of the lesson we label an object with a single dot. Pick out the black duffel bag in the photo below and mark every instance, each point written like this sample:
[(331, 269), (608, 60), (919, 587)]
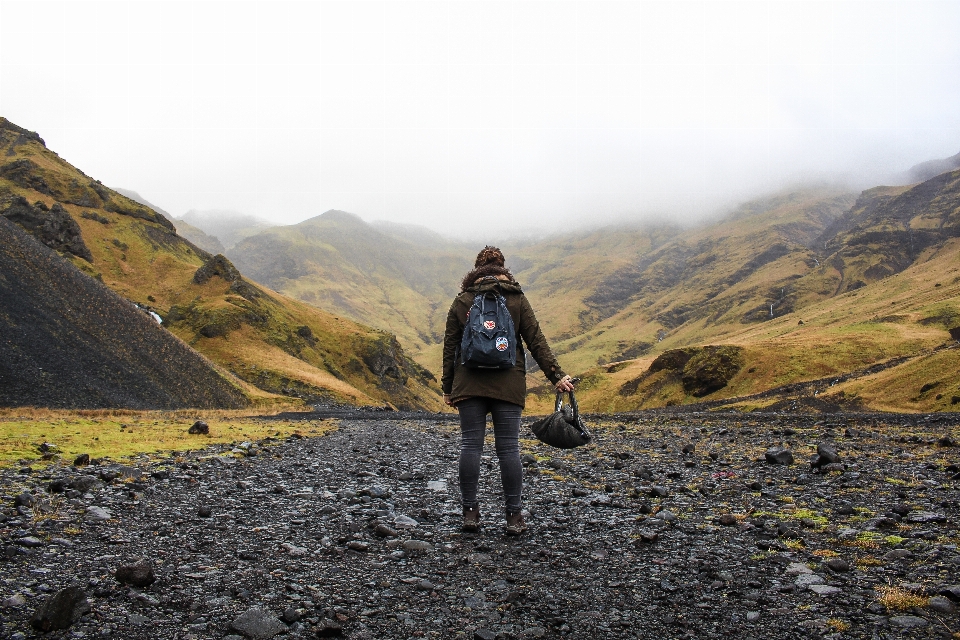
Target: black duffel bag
[(563, 428)]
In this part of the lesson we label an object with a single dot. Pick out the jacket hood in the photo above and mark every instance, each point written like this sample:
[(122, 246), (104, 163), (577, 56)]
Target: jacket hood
[(493, 284)]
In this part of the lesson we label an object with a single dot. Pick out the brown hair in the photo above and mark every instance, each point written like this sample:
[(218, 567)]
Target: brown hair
[(489, 255), (489, 262)]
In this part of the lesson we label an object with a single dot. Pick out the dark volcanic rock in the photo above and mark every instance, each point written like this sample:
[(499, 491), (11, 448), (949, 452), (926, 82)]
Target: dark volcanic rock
[(199, 428), (219, 266), (137, 574), (776, 455), (60, 610), (54, 227), (258, 624)]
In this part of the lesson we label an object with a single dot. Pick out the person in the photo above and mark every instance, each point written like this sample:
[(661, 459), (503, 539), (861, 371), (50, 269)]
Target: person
[(499, 392)]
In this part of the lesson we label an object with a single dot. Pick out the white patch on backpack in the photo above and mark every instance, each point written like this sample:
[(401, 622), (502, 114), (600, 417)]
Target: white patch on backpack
[(502, 344), (490, 324)]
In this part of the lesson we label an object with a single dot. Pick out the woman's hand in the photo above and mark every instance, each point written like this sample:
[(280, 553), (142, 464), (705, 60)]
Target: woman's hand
[(446, 400), (565, 384)]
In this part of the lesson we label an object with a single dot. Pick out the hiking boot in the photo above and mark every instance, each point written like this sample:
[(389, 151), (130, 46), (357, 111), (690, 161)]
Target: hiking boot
[(515, 524), (471, 520)]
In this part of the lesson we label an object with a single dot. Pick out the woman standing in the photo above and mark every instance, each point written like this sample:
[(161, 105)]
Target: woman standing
[(499, 392)]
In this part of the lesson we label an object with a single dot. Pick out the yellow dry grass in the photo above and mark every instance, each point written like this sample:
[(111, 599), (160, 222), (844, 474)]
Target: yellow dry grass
[(123, 433)]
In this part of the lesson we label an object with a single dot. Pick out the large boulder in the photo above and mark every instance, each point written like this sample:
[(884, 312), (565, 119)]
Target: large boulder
[(711, 368), (53, 227), (60, 610)]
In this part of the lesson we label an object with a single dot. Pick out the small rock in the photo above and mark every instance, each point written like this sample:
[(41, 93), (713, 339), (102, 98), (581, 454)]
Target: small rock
[(828, 454), (727, 520), (666, 515), (823, 589), (204, 512), (57, 486), (30, 542), (385, 531), (647, 535), (897, 554), (329, 629), (838, 564), (60, 610), (24, 500), (358, 545), (807, 579), (925, 516), (908, 622), (199, 428), (417, 545), (98, 513), (290, 615), (776, 455), (798, 568), (947, 441), (659, 492), (405, 522), (753, 616), (82, 460), (952, 592), (138, 574), (941, 605), (299, 552), (689, 448), (258, 624), (84, 483), (484, 634), (16, 600)]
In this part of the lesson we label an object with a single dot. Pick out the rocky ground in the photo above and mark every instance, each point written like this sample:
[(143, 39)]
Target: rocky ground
[(670, 526)]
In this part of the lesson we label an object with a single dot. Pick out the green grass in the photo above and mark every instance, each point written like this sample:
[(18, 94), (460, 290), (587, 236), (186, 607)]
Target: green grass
[(121, 434)]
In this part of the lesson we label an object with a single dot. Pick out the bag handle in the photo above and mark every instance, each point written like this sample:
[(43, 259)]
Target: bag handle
[(573, 405)]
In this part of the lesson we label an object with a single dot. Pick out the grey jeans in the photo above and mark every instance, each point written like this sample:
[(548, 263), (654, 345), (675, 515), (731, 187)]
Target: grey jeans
[(506, 431)]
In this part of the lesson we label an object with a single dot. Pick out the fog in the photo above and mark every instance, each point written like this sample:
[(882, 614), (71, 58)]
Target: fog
[(498, 117)]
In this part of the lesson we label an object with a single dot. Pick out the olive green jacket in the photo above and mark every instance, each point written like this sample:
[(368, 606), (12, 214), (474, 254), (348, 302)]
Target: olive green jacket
[(509, 385)]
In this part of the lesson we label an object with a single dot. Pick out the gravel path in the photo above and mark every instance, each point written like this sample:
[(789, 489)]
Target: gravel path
[(672, 526)]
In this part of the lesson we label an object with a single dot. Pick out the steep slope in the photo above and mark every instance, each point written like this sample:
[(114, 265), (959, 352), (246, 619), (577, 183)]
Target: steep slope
[(373, 275), (209, 243), (68, 341), (277, 344)]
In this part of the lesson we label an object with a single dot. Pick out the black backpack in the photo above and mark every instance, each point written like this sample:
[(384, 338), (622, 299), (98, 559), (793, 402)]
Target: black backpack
[(489, 337)]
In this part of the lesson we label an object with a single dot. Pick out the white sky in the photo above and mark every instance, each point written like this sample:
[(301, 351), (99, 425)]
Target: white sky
[(468, 116)]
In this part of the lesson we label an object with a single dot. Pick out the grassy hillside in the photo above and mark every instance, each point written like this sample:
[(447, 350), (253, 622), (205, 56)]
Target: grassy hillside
[(799, 286), (371, 274), (273, 343), (665, 287), (894, 329)]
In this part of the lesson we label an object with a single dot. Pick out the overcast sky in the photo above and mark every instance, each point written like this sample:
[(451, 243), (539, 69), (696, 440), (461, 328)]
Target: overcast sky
[(464, 115)]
